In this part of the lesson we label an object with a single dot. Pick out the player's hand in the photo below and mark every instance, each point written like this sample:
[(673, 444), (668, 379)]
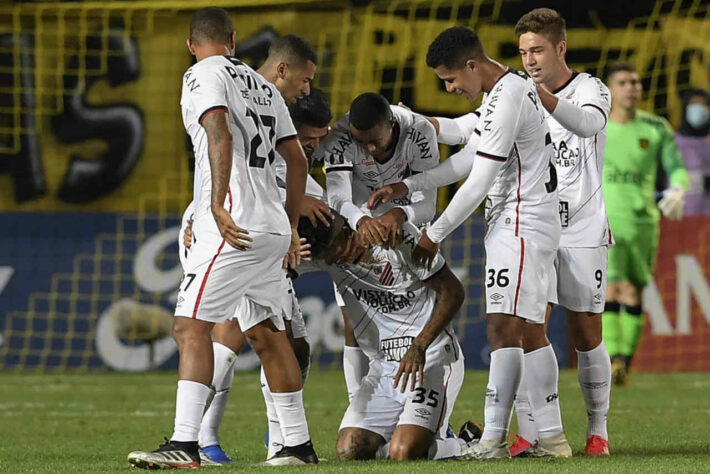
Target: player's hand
[(392, 221), (672, 203), (187, 236), (412, 364), (425, 252), (355, 249), (230, 232), (387, 193), (316, 210), (371, 231), (305, 252), (293, 255)]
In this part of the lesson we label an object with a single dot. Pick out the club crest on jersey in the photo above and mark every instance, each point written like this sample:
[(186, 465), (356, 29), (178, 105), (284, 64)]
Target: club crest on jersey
[(395, 348), (387, 275), (643, 143)]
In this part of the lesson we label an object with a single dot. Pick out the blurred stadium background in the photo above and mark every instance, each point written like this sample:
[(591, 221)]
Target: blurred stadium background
[(95, 167)]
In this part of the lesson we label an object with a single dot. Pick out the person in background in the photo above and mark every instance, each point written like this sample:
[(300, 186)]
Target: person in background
[(637, 142), (693, 140)]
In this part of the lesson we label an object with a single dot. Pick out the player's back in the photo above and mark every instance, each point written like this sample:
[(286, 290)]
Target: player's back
[(523, 198), (579, 163), (258, 119)]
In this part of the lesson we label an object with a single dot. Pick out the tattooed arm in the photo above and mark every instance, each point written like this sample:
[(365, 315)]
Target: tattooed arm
[(219, 150)]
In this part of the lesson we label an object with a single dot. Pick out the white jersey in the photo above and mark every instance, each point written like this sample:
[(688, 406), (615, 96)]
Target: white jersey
[(388, 304), (579, 167), (352, 174), (258, 120), (513, 130), (313, 189)]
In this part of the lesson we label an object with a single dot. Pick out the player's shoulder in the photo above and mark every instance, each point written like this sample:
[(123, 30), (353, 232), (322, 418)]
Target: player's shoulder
[(337, 144), (410, 237), (653, 120), (584, 81), (513, 84)]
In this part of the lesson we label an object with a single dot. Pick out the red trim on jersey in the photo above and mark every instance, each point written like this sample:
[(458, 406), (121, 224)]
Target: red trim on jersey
[(520, 275), (210, 110), (209, 269), (517, 205)]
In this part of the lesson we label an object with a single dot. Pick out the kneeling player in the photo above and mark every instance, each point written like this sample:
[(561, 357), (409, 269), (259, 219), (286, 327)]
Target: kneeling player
[(401, 317)]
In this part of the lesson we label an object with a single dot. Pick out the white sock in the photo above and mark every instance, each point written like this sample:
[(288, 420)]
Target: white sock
[(542, 375), (594, 373), (224, 359), (355, 366), (292, 417), (276, 439), (189, 406), (523, 411), (383, 452), (503, 381), (445, 448)]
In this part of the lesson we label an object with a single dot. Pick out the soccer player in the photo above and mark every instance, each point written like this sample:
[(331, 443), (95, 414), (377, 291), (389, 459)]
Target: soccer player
[(373, 145), (290, 66), (577, 106), (401, 317), (637, 142), (509, 158), (236, 121)]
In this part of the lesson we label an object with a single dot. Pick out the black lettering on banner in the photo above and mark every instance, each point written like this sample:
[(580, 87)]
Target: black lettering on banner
[(191, 276), (598, 276), (421, 397), (120, 125), (502, 280)]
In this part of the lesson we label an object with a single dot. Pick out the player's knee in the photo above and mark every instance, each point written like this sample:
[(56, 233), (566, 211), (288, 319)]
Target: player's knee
[(401, 450), (355, 445), (186, 331)]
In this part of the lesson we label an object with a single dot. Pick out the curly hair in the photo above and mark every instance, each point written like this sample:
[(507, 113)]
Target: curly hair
[(453, 47)]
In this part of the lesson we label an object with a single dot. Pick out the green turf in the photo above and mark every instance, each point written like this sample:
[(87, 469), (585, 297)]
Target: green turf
[(89, 423)]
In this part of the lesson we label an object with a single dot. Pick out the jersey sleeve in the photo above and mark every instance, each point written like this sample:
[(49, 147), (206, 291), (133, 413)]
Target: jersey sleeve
[(339, 149), (671, 160), (410, 238), (590, 116), (425, 151), (205, 91), (499, 123), (458, 130)]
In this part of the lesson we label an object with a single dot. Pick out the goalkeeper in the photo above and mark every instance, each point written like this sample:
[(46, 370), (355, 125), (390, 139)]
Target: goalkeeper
[(637, 142)]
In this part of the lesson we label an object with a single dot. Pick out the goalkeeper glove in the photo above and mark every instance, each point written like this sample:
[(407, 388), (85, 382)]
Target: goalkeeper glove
[(672, 203)]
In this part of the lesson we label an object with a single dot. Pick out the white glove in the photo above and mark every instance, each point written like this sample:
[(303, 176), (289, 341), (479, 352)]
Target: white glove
[(672, 203)]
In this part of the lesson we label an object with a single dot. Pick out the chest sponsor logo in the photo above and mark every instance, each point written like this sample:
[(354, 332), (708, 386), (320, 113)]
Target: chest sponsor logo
[(565, 156), (384, 301), (395, 348)]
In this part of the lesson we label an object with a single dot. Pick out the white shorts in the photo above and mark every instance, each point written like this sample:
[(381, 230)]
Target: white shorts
[(378, 407), (293, 311), (218, 276), (518, 277), (580, 274)]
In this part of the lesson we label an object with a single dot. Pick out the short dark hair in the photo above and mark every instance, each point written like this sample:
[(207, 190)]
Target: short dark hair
[(312, 110), (320, 235), (453, 47), (618, 66), (211, 24), (293, 49), (368, 110), (544, 21)]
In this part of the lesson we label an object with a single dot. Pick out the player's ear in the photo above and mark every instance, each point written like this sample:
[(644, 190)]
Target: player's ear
[(470, 64), (232, 42), (281, 69), (189, 46), (562, 48)]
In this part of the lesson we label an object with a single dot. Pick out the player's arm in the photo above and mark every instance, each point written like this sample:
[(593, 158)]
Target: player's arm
[(456, 131), (219, 151), (494, 147), (586, 119), (673, 200), (296, 171)]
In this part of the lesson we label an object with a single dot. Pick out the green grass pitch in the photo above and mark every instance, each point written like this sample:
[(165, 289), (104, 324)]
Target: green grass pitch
[(89, 422)]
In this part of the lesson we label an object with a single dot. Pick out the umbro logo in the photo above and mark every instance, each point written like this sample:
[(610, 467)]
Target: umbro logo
[(371, 174), (496, 297), (598, 298), (551, 398), (423, 411), (180, 300)]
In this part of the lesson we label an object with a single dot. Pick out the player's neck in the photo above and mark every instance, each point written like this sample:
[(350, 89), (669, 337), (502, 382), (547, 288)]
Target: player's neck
[(559, 80), (622, 114), (212, 49), (492, 71), (268, 72)]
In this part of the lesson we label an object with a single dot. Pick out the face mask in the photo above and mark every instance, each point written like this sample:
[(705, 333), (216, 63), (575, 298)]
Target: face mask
[(697, 115)]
